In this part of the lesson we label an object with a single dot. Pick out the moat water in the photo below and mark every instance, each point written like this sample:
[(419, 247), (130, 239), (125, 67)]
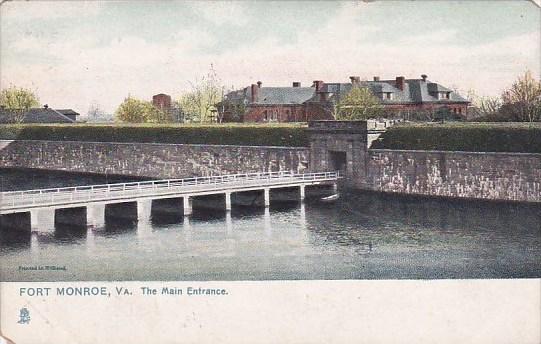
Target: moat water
[(361, 236)]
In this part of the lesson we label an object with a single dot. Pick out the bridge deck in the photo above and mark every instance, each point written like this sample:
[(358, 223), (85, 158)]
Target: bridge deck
[(17, 201)]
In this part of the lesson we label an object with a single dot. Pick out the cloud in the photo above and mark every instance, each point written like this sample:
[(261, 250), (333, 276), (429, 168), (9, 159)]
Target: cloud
[(49, 10), (82, 71), (221, 12)]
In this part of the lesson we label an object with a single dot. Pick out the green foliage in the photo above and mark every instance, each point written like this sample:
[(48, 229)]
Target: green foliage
[(18, 100), (359, 104), (472, 137), (224, 134), (139, 111)]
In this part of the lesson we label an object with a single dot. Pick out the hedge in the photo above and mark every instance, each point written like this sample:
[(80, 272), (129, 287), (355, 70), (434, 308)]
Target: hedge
[(249, 135), (472, 137)]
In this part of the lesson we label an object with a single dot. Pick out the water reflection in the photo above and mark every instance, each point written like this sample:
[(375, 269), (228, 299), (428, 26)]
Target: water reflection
[(90, 239), (267, 221), (228, 223), (69, 234), (362, 235)]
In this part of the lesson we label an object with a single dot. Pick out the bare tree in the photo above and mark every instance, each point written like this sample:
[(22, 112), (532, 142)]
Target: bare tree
[(523, 99), (199, 105), (484, 106), (94, 112)]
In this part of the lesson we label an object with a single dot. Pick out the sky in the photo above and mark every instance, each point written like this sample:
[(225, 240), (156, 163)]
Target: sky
[(77, 53)]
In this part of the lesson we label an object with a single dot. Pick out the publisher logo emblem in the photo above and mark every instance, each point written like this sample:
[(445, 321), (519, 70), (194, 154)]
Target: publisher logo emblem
[(24, 316)]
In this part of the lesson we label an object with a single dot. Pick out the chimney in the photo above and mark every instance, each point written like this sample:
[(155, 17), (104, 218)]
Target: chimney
[(255, 91), (400, 82), (318, 84), (46, 106), (376, 78), (323, 96), (259, 83), (355, 80), (296, 84), (424, 76)]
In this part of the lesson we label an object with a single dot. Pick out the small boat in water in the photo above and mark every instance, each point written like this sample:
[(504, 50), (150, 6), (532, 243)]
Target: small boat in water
[(330, 198)]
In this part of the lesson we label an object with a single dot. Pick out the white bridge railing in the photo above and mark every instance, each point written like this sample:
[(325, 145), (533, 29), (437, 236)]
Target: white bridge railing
[(89, 193)]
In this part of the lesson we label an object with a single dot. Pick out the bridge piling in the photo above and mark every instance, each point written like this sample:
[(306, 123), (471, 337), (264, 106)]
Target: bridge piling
[(144, 208), (228, 201), (302, 190), (187, 202), (42, 219), (95, 215), (267, 197)]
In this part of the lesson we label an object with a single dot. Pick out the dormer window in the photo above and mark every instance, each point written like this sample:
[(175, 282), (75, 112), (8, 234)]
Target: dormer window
[(387, 95), (444, 95)]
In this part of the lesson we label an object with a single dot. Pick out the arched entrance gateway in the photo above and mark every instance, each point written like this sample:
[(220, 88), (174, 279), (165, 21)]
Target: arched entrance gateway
[(339, 146)]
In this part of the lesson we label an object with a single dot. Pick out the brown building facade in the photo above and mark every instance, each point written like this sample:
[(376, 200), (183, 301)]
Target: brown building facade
[(162, 101), (400, 97)]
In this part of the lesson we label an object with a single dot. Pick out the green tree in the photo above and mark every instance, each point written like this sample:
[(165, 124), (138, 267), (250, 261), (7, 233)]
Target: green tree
[(132, 110), (17, 100), (523, 100), (359, 104), (155, 115)]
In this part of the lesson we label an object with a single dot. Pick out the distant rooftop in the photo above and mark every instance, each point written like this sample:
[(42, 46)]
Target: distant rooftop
[(404, 91), (36, 115)]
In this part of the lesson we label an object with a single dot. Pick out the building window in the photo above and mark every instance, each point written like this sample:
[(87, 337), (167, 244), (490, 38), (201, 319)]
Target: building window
[(387, 95), (445, 95), (265, 115)]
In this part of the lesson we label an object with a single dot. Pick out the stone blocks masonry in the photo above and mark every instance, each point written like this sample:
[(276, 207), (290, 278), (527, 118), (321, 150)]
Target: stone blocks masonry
[(334, 145), (150, 160)]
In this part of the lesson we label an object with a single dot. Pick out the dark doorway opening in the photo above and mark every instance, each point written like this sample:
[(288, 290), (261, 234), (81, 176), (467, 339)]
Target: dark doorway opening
[(338, 161)]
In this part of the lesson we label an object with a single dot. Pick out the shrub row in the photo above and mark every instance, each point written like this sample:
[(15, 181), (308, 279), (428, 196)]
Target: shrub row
[(473, 137), (254, 135)]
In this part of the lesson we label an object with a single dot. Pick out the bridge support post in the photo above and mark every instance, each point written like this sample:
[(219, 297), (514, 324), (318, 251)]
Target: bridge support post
[(267, 197), (228, 201), (95, 215), (335, 188), (302, 192), (187, 202), (42, 220), (144, 207)]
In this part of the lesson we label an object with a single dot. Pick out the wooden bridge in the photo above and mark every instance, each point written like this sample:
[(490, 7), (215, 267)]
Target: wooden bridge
[(92, 199)]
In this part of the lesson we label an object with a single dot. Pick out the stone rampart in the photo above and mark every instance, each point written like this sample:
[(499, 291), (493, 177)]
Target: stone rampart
[(150, 160)]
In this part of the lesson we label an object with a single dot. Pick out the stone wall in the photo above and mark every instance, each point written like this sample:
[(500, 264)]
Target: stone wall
[(150, 160), (493, 176)]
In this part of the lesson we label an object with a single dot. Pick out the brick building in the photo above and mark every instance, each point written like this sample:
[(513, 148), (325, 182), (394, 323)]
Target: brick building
[(399, 96), (162, 101)]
